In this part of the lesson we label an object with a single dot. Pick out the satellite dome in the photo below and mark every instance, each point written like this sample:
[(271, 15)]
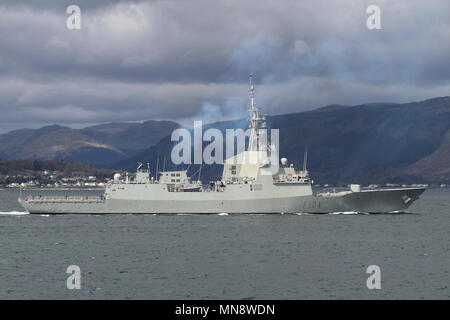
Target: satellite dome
[(284, 161), (117, 177)]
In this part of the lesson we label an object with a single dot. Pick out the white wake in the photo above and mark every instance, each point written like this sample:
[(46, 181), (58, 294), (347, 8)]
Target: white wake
[(13, 213), (348, 212)]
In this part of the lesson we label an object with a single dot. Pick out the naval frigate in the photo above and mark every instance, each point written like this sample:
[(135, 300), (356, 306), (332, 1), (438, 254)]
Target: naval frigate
[(247, 187)]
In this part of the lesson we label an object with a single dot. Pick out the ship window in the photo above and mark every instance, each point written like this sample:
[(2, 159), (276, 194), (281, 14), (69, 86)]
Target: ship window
[(173, 180), (177, 174), (233, 172), (233, 167), (172, 174)]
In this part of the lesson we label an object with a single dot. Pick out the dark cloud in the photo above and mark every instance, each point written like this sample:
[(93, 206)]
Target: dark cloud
[(135, 60), (56, 5)]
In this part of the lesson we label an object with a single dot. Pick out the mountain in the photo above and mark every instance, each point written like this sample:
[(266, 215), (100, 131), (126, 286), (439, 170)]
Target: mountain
[(368, 143), (96, 145)]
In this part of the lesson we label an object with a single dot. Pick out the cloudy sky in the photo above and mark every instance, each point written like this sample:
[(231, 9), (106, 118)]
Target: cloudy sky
[(190, 59)]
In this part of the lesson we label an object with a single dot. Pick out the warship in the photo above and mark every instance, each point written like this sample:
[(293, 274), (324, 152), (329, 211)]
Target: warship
[(246, 187)]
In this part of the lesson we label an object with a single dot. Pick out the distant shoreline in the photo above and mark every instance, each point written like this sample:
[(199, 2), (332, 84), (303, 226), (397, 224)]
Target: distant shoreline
[(62, 189)]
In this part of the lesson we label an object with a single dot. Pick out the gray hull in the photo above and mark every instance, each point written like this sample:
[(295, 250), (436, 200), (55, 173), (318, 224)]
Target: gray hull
[(371, 201)]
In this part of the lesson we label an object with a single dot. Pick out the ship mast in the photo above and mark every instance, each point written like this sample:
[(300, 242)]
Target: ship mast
[(256, 122), (305, 159)]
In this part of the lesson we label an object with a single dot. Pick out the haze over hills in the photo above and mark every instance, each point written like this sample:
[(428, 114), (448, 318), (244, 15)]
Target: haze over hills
[(369, 143)]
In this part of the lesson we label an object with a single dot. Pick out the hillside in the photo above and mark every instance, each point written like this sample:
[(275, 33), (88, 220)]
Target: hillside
[(131, 136), (436, 165), (96, 145)]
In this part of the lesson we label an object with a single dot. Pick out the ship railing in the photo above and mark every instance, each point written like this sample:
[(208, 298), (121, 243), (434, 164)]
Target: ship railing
[(333, 194), (61, 199), (135, 182), (214, 189)]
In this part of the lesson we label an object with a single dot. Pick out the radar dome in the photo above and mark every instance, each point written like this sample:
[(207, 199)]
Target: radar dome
[(117, 177), (265, 163), (284, 161)]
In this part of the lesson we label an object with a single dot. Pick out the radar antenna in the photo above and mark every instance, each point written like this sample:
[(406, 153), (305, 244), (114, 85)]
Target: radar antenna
[(256, 122)]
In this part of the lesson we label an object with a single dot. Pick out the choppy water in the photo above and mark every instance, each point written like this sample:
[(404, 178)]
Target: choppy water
[(227, 256)]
